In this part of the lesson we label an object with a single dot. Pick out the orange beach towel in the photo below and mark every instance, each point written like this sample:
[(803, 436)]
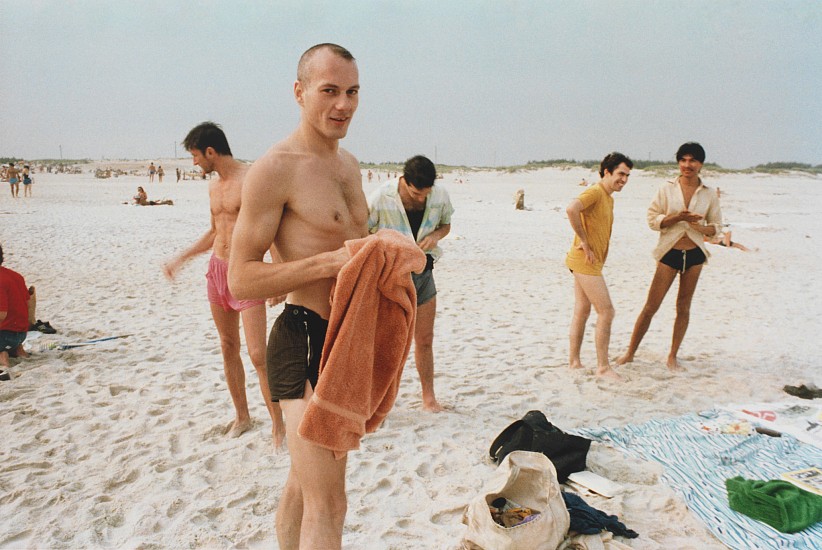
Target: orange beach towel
[(373, 309)]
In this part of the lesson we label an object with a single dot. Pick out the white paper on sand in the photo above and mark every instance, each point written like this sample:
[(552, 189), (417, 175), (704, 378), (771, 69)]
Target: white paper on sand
[(596, 483)]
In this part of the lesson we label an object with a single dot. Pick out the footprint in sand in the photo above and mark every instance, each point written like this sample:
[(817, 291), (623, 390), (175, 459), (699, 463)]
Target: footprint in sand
[(448, 516), (116, 390)]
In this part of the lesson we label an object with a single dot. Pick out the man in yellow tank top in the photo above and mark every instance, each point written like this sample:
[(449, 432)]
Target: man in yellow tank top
[(591, 216)]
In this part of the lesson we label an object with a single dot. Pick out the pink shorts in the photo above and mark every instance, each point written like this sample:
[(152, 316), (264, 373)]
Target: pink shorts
[(218, 292)]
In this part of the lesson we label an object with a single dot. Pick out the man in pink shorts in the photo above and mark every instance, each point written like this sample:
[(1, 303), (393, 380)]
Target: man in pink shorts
[(209, 148)]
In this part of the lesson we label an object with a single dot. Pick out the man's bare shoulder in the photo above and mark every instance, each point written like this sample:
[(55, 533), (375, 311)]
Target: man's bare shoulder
[(350, 160), (276, 167)]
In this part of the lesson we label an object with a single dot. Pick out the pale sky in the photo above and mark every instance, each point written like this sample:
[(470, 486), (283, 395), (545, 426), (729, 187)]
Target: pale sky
[(478, 83)]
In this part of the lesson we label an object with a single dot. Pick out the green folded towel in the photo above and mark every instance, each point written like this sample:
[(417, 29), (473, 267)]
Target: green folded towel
[(780, 504)]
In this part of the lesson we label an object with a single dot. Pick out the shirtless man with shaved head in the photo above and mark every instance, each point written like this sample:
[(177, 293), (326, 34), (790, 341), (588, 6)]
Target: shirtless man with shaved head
[(304, 196)]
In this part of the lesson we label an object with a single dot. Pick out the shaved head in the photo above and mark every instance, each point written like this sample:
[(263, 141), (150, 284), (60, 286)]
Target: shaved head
[(304, 66)]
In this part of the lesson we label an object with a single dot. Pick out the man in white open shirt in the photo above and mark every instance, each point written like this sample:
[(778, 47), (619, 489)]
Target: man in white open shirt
[(683, 211)]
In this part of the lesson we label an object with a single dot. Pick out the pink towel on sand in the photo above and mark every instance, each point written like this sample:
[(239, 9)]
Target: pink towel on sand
[(370, 329)]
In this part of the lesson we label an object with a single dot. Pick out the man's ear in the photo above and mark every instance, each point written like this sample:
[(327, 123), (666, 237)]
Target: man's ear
[(299, 91)]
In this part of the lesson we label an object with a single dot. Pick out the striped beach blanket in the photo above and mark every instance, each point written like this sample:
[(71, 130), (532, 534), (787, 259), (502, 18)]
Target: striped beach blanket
[(697, 459)]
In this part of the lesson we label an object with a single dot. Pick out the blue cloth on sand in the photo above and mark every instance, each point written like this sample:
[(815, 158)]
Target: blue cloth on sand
[(697, 463)]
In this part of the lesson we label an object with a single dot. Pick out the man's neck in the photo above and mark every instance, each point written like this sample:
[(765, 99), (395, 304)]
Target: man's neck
[(226, 167), (315, 143), (690, 181), (607, 188)]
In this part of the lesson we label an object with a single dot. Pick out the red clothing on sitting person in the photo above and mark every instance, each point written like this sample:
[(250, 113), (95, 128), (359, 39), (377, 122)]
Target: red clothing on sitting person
[(14, 300)]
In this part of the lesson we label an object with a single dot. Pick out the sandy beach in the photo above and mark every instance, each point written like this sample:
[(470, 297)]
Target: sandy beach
[(120, 445)]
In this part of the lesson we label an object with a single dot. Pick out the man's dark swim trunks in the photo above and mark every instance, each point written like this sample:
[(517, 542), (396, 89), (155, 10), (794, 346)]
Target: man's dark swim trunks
[(295, 346), (681, 260)]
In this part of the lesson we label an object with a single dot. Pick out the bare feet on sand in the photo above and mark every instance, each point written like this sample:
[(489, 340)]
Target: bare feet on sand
[(607, 373), (625, 358), (674, 366), (238, 427), (575, 364), (432, 405)]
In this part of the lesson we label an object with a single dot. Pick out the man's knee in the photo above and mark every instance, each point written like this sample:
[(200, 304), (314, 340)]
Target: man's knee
[(683, 309), (424, 341), (332, 505), (257, 357), (649, 310), (582, 311), (230, 346), (606, 314)]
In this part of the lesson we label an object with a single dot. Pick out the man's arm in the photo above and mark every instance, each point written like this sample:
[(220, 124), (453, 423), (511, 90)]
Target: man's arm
[(432, 239), (574, 212), (203, 244), (265, 193)]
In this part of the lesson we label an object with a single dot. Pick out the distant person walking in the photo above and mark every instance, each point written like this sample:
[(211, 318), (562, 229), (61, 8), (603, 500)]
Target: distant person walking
[(592, 216), (14, 179), (684, 212), (151, 171), (27, 181), (178, 175), (160, 173)]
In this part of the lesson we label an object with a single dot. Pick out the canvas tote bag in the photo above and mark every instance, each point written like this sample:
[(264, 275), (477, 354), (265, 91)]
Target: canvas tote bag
[(530, 480)]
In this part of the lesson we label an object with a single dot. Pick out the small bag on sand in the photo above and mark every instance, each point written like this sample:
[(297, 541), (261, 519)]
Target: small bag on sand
[(529, 479), (534, 433)]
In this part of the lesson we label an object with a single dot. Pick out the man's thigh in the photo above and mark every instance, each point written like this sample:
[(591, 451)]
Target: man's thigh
[(595, 289), (319, 474)]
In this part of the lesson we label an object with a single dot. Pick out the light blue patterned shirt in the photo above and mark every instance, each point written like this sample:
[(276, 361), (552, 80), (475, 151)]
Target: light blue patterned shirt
[(385, 210)]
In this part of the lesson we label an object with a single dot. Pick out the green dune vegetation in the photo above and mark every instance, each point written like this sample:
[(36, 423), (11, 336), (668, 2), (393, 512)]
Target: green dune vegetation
[(655, 166)]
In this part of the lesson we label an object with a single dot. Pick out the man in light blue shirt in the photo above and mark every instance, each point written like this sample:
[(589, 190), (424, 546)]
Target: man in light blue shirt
[(413, 205)]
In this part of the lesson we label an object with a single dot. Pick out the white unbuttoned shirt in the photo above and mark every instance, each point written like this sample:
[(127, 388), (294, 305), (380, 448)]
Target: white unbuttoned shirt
[(670, 200)]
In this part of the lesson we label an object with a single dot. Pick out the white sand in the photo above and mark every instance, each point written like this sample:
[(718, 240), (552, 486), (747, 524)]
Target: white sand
[(119, 445)]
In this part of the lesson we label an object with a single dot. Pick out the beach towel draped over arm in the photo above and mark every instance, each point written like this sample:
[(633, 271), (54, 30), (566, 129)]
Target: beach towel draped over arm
[(369, 336)]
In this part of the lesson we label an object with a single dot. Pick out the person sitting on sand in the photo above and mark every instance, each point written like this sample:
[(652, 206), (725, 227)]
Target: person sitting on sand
[(591, 216), (17, 316), (141, 199), (724, 239), (684, 212)]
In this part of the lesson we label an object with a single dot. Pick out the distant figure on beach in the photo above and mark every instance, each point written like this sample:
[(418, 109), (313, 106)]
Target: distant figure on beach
[(151, 171), (160, 173), (519, 199), (370, 176), (210, 150), (27, 181), (724, 239), (17, 316), (413, 205), (178, 175), (141, 197), (14, 179), (684, 212), (305, 197), (591, 216), (583, 183)]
